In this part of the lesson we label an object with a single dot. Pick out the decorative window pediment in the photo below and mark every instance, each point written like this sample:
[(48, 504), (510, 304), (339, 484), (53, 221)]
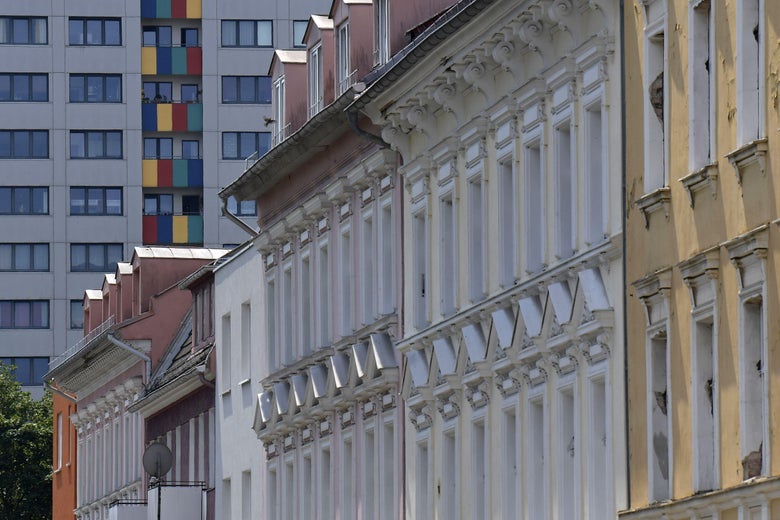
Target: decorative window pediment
[(657, 200), (751, 154)]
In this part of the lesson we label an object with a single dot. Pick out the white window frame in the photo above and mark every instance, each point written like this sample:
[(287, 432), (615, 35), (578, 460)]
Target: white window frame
[(508, 215), (450, 471), (227, 355), (288, 343), (701, 78), (448, 250), (481, 501), (750, 74), (324, 292), (595, 175), (420, 251), (536, 475), (420, 504), (381, 32), (348, 494), (280, 127), (599, 467), (271, 319), (304, 296), (246, 340), (388, 490), (656, 142), (387, 253), (346, 278), (569, 444), (476, 207), (535, 190), (315, 80), (565, 182), (345, 76), (659, 488), (368, 260)]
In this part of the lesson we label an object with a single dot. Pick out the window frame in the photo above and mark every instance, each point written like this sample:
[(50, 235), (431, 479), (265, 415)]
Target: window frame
[(105, 267), (105, 199), (14, 361), (30, 143), (85, 87), (237, 32), (263, 85), (242, 156), (30, 87), (237, 208), (72, 324), (157, 141), (31, 199), (31, 256), (84, 31), (104, 134), (30, 32), (13, 305)]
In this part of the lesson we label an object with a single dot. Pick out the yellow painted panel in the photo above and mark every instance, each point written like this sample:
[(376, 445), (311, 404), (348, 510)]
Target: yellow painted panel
[(149, 173), (193, 9), (148, 60), (180, 229), (164, 118)]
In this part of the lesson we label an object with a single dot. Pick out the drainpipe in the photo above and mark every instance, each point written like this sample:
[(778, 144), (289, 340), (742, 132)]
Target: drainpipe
[(59, 392), (352, 117), (237, 221), (623, 202), (124, 346)]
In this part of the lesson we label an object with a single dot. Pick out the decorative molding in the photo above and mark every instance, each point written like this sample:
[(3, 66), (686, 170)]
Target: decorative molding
[(448, 405), (421, 417), (753, 152), (657, 200)]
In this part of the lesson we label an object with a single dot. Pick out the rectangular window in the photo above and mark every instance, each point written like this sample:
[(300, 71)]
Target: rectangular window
[(479, 470), (157, 91), (750, 36), (387, 476), (95, 144), (370, 475), (704, 394), (752, 394), (270, 323), (476, 223), (76, 314), (345, 76), (240, 145), (190, 93), (58, 465), (599, 479), (190, 149), (273, 503), (94, 31), (247, 33), (324, 296), (24, 257), (24, 314), (419, 269), (24, 144), (226, 499), (280, 129), (655, 113), (564, 192), (29, 371), (227, 357), (290, 497), (381, 32), (315, 80), (421, 505), (536, 460), (368, 271), (701, 82), (348, 505), (287, 316), (157, 36), (346, 274), (594, 175), (658, 434), (304, 299), (246, 90), (246, 340), (95, 88), (534, 208), (189, 37), (158, 148), (158, 204), (93, 200), (18, 30), (23, 200), (325, 484), (449, 474), (299, 31), (567, 452), (244, 208), (386, 289), (24, 87), (95, 257), (507, 222), (448, 254), (510, 478), (306, 494)]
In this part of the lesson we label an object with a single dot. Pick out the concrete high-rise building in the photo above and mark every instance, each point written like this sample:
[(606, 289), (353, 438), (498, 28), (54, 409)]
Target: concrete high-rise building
[(119, 123)]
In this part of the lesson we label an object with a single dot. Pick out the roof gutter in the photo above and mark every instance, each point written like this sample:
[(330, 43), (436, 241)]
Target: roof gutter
[(53, 389), (129, 348), (234, 219)]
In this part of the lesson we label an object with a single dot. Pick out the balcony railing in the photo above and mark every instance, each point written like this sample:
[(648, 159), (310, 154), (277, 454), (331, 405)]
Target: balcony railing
[(172, 117), (347, 82), (173, 229), (172, 173), (280, 135), (82, 343), (176, 61), (171, 9)]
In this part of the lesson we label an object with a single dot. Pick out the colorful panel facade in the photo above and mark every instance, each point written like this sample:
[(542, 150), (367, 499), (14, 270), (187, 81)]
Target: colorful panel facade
[(175, 117), (175, 173), (176, 9), (175, 61), (173, 229)]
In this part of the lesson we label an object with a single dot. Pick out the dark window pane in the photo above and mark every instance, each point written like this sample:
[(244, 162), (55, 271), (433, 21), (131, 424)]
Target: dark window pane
[(21, 143), (247, 145), (264, 89), (113, 32), (23, 370), (76, 32), (190, 149), (76, 89), (78, 257), (246, 33), (40, 203), (114, 144), (94, 144), (77, 198), (94, 89), (21, 30), (22, 315), (166, 148), (77, 145), (149, 37), (21, 87), (76, 314), (6, 257), (150, 205), (165, 90), (40, 368), (229, 89), (40, 314), (150, 148), (5, 200), (263, 142), (5, 144), (40, 144), (22, 200), (229, 37), (264, 33), (94, 201), (22, 257), (164, 36), (166, 205), (5, 87), (246, 89), (94, 32), (189, 93), (6, 314), (41, 257), (96, 258), (113, 255), (40, 87), (230, 145), (113, 89), (114, 201), (40, 31)]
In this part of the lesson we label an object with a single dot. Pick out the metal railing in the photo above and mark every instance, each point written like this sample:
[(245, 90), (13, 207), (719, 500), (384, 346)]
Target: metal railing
[(251, 159), (280, 135), (347, 82), (82, 343)]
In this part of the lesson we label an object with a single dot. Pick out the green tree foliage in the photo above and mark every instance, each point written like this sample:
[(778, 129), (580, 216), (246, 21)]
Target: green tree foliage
[(25, 451)]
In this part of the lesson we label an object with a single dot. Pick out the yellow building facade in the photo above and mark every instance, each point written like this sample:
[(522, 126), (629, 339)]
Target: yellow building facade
[(702, 256)]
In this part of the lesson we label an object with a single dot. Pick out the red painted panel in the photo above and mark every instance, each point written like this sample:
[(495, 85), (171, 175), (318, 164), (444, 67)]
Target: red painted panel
[(164, 173), (179, 117), (194, 61), (150, 229), (178, 8)]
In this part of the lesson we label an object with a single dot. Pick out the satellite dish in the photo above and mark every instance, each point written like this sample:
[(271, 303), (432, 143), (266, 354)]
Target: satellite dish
[(157, 459)]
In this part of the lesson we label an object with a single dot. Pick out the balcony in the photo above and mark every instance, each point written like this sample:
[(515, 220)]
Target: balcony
[(128, 510), (173, 229), (171, 9), (179, 501), (175, 61), (172, 117), (172, 173)]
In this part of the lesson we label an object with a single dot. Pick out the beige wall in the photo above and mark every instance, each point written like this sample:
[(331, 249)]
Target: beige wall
[(718, 216)]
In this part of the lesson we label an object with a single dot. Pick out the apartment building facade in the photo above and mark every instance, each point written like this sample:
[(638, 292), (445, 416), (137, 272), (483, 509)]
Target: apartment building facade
[(506, 116), (702, 257), (121, 121)]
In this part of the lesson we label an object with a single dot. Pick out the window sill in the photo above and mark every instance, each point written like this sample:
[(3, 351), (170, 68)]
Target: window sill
[(656, 200), (699, 180), (225, 393), (244, 382), (753, 152)]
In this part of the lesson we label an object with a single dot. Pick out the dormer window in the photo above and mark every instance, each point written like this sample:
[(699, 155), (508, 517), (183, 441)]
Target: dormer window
[(315, 80), (345, 76), (381, 32), (280, 133)]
